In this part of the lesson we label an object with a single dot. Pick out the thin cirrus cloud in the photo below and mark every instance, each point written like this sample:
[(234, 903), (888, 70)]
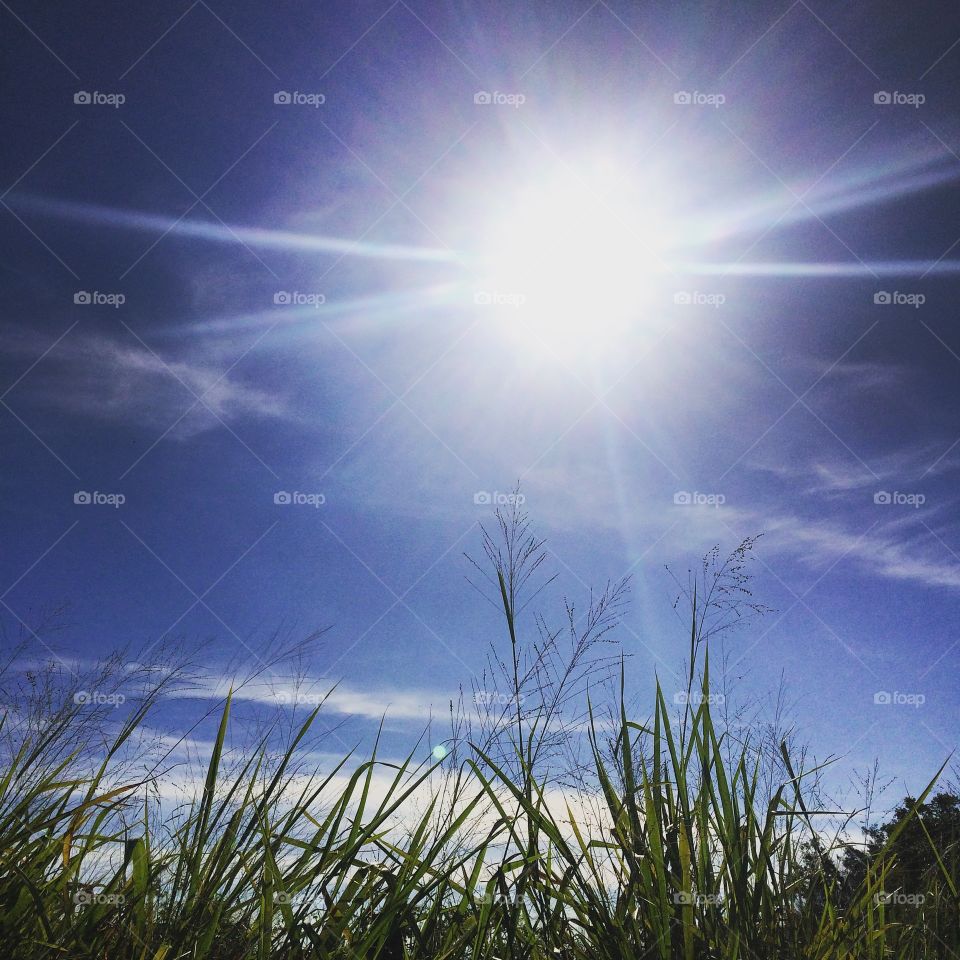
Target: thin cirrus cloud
[(373, 704), (892, 552), (821, 476), (860, 528), (896, 542), (104, 378)]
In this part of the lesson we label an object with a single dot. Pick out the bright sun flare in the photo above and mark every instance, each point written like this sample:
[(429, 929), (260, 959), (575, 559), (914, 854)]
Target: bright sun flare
[(568, 264)]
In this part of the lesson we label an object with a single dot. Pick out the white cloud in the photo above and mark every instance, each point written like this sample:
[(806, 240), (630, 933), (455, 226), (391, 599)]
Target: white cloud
[(371, 704), (902, 468), (886, 553)]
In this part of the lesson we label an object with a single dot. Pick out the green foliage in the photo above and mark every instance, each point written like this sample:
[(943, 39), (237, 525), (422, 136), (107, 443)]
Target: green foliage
[(672, 849)]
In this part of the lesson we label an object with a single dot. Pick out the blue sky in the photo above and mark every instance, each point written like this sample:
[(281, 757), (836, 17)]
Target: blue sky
[(302, 311)]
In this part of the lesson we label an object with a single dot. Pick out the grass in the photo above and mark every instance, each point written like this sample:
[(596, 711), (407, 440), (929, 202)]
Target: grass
[(672, 847)]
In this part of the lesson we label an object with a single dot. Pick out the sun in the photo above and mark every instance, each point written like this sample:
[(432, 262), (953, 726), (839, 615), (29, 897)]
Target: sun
[(567, 263)]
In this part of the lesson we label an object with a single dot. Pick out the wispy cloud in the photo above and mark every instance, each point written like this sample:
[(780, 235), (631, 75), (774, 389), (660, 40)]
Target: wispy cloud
[(882, 540), (894, 552), (123, 380), (835, 476), (371, 704)]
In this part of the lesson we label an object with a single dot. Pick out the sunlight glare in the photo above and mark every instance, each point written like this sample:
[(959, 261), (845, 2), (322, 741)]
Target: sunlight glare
[(569, 263)]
